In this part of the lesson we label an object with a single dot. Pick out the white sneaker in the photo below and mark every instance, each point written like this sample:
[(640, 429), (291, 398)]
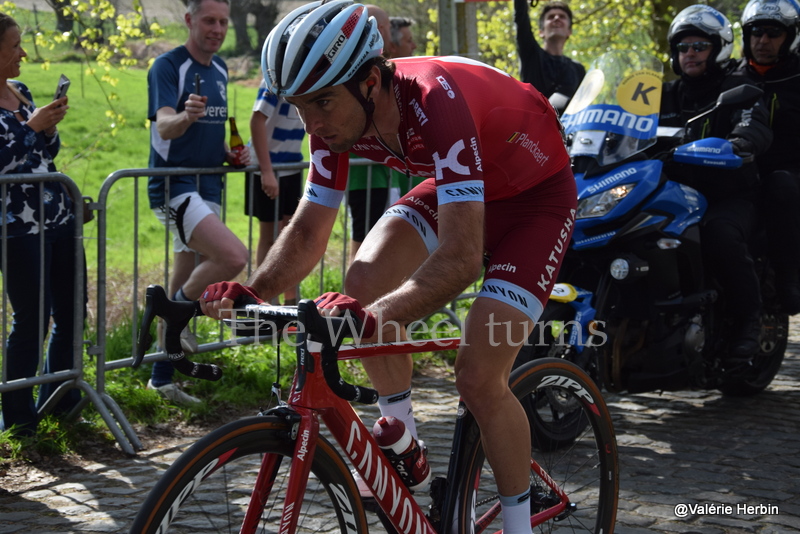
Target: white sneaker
[(174, 393), (188, 341)]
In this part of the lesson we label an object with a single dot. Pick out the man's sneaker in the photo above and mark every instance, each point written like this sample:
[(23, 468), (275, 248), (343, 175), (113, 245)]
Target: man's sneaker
[(188, 341), (173, 393)]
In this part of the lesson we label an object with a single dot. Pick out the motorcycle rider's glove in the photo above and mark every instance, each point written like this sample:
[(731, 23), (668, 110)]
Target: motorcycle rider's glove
[(742, 147)]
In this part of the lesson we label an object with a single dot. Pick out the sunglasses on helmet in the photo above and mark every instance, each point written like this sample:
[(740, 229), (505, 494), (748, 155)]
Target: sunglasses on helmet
[(697, 46), (773, 32)]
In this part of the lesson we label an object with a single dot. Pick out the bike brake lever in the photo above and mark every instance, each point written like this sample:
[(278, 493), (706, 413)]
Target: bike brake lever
[(176, 316)]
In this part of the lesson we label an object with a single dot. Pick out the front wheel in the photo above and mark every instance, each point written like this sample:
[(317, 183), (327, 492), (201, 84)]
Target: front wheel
[(208, 488), (586, 469)]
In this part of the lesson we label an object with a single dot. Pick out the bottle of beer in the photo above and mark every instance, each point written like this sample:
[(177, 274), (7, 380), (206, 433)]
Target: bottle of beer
[(236, 144)]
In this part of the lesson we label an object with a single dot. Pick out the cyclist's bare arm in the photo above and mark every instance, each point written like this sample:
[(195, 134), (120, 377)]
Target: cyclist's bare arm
[(454, 265), (295, 253)]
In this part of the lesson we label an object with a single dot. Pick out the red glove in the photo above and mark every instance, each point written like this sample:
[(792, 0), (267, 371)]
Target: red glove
[(239, 294), (328, 301)]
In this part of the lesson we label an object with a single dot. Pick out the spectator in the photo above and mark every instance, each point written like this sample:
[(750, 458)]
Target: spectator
[(769, 30), (482, 196), (403, 44), (369, 187), (700, 41), (188, 130), (276, 137), (30, 142), (546, 67)]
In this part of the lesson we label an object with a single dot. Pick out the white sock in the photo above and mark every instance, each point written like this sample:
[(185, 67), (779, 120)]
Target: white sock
[(517, 513), (399, 406)]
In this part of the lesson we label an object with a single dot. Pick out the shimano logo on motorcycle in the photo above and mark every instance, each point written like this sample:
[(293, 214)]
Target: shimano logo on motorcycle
[(616, 177), (612, 119), (707, 149)]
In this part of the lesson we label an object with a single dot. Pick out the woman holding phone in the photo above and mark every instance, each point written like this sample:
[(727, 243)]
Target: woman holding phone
[(39, 217)]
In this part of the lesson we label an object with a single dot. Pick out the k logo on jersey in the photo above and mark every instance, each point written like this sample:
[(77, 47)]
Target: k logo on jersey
[(316, 161), (450, 161)]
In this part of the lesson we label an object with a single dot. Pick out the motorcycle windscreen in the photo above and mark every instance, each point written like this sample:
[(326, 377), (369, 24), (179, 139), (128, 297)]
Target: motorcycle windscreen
[(614, 113)]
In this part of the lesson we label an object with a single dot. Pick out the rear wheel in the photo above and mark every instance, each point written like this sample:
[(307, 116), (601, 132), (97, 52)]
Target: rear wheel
[(208, 487), (586, 468)]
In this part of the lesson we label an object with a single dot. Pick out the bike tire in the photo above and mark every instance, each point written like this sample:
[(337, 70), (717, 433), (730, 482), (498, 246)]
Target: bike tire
[(587, 468), (207, 489)]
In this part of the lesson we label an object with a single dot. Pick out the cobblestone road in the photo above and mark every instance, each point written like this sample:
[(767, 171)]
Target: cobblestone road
[(687, 448)]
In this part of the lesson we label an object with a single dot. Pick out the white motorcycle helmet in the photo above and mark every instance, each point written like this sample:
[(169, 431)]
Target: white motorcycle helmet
[(703, 20), (318, 45), (785, 13)]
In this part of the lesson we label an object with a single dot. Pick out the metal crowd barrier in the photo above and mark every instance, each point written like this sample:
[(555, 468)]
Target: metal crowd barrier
[(105, 405), (73, 378)]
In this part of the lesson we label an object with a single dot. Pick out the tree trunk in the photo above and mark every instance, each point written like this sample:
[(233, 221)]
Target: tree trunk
[(64, 19)]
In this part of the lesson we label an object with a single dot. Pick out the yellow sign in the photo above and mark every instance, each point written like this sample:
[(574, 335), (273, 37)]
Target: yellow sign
[(640, 93)]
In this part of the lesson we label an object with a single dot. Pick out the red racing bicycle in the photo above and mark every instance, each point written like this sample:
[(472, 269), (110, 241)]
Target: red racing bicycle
[(277, 472)]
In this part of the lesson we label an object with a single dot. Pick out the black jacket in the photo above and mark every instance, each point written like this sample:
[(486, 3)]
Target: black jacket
[(547, 73), (687, 97), (781, 85)]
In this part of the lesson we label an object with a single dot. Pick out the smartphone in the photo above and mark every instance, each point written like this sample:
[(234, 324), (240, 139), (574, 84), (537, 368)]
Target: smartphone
[(63, 85)]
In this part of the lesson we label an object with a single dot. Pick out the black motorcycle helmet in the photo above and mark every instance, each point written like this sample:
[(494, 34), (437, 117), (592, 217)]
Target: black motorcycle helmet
[(702, 20), (781, 13)]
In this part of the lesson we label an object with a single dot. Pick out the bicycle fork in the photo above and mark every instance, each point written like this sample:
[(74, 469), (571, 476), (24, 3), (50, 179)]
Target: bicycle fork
[(304, 433)]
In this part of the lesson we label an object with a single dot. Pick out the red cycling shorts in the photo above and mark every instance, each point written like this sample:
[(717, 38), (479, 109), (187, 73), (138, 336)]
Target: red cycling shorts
[(526, 237)]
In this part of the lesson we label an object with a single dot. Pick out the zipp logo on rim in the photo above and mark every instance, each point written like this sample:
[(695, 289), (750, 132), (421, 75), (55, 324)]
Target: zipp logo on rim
[(570, 384)]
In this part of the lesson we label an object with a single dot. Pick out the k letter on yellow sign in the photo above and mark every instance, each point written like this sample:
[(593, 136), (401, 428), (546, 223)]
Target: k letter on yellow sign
[(640, 93)]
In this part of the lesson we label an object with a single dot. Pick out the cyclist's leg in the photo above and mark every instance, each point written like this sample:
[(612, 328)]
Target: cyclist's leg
[(208, 488), (516, 286), (391, 252), (560, 400), (493, 334)]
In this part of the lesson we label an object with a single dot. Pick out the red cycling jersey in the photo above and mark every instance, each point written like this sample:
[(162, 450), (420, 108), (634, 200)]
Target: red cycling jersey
[(480, 146)]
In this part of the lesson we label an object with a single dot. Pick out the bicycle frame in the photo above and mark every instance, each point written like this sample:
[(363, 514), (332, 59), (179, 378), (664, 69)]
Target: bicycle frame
[(310, 398)]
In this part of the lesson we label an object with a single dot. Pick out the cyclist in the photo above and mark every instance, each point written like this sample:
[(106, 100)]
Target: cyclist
[(499, 185)]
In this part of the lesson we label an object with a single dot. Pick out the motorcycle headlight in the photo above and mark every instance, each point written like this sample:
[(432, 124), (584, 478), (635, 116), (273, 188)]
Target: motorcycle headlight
[(602, 203)]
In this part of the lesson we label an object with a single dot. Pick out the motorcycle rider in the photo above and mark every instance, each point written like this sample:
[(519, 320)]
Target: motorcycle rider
[(770, 31), (701, 41)]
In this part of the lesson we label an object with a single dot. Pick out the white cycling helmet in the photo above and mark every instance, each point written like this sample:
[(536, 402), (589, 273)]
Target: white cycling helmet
[(319, 45), (703, 20), (785, 13)]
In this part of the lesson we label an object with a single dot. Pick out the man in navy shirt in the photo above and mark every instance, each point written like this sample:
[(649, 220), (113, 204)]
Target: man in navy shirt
[(188, 109)]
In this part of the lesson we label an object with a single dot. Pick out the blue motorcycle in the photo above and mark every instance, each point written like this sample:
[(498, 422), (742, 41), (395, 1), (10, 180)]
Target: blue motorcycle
[(634, 306)]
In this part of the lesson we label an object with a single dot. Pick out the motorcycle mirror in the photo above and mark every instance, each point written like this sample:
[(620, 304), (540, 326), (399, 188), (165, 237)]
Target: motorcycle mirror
[(743, 96)]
